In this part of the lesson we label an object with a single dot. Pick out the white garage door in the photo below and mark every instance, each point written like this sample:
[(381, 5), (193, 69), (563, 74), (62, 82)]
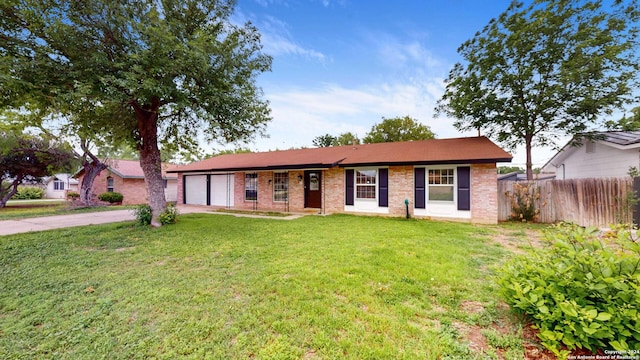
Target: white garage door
[(222, 190), (195, 189)]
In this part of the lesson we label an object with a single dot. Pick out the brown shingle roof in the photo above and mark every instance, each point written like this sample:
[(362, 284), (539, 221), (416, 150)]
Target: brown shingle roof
[(424, 152), (131, 169)]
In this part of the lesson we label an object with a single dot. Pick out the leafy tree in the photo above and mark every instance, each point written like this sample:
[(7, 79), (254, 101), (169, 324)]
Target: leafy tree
[(398, 129), (510, 169), (149, 72), (26, 158), (545, 70), (238, 150), (125, 152), (325, 140), (626, 123), (347, 138)]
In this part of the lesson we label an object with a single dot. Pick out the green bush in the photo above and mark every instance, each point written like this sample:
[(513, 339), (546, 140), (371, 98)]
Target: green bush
[(111, 197), (28, 193), (169, 215), (581, 291), (143, 214), (72, 195)]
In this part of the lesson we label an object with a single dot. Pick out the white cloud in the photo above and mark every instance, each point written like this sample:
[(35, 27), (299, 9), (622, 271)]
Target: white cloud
[(277, 39), (302, 114)]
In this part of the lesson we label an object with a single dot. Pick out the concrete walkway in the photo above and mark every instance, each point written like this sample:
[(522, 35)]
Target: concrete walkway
[(9, 227)]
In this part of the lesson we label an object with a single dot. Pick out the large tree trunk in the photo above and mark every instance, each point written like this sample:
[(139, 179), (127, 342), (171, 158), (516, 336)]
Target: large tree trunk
[(150, 161), (12, 189), (527, 144), (92, 167)]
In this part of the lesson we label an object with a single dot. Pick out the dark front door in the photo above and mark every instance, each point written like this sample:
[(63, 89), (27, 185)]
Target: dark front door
[(313, 189)]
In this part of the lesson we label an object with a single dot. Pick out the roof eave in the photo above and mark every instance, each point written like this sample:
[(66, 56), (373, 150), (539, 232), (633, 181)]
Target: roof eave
[(344, 165), (258, 168), (428, 162)]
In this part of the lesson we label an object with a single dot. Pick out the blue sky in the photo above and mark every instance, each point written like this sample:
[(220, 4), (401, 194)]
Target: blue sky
[(342, 65)]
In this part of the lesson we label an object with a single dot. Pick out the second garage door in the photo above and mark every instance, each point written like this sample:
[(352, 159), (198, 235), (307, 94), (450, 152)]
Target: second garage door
[(222, 190)]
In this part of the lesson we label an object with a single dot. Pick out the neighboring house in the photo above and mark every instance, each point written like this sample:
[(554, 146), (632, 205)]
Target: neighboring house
[(516, 176), (609, 154), (58, 185), (127, 178), (443, 178)]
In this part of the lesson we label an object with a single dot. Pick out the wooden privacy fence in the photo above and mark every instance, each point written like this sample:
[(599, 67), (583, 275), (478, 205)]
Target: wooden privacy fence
[(587, 202)]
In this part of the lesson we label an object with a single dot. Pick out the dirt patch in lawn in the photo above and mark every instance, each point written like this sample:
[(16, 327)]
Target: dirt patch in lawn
[(518, 241)]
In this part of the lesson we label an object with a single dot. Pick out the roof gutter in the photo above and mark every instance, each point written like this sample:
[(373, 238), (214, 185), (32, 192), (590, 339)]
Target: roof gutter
[(260, 168)]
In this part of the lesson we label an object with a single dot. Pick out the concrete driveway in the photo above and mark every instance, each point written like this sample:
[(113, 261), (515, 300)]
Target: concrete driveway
[(8, 227)]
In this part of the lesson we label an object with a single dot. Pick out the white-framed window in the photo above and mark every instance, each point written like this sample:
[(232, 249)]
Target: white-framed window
[(58, 184), (251, 187), (366, 181), (441, 184), (109, 184), (280, 186)]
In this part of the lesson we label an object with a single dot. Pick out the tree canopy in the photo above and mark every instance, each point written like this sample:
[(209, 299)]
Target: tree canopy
[(546, 70), (398, 129), (327, 140), (150, 72), (631, 123), (25, 158)]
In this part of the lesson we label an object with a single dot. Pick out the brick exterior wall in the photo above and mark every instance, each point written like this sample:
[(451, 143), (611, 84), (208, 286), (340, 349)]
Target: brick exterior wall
[(484, 197), (180, 190), (265, 193), (334, 187), (484, 193), (401, 187), (134, 191)]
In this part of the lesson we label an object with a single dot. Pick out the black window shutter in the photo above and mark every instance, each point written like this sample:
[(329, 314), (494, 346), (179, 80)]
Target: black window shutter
[(349, 179), (419, 181), (464, 188), (383, 187)]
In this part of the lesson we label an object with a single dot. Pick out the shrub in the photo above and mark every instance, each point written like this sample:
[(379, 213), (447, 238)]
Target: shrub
[(169, 215), (523, 201), (581, 291), (72, 195), (111, 197), (28, 193), (143, 214)]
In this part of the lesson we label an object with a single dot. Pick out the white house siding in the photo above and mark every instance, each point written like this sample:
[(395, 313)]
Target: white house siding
[(604, 161), (51, 193), (195, 187)]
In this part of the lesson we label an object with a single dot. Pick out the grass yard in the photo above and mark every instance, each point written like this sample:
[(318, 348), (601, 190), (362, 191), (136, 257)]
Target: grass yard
[(224, 287), (22, 209)]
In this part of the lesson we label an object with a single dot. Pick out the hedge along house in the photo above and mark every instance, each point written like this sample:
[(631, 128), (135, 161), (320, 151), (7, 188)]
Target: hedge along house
[(443, 178)]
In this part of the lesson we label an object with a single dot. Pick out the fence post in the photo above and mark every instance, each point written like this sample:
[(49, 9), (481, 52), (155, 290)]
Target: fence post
[(636, 205)]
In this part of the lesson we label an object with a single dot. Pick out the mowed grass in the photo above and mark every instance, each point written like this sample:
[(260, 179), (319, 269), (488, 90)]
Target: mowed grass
[(22, 209), (224, 287)]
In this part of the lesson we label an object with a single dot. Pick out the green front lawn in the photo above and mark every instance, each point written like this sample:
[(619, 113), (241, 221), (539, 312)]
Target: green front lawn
[(224, 287), (22, 209)]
